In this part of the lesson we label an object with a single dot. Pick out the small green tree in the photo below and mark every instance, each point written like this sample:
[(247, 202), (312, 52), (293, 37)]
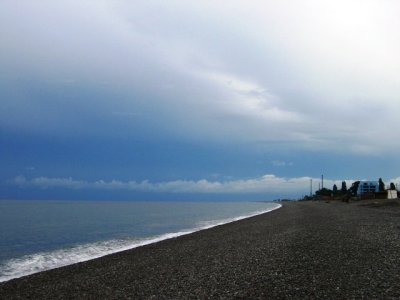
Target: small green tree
[(392, 186), (353, 189), (335, 189), (324, 192), (344, 188), (381, 185)]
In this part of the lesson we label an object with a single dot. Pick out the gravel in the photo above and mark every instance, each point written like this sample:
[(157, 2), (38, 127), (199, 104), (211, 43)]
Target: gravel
[(303, 250)]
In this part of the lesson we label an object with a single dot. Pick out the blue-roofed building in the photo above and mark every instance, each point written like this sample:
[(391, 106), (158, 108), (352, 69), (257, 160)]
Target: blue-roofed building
[(367, 187)]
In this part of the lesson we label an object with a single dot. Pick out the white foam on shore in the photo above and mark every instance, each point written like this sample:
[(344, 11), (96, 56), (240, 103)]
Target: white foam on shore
[(38, 262)]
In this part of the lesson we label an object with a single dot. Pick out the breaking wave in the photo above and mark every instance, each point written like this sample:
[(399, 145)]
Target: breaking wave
[(42, 261)]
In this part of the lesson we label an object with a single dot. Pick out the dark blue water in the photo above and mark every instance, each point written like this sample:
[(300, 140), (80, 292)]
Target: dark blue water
[(41, 235)]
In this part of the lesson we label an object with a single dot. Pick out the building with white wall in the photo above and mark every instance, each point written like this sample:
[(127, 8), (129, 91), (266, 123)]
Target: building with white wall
[(367, 187)]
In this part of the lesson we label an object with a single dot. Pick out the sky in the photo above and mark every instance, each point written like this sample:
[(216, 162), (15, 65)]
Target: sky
[(157, 100)]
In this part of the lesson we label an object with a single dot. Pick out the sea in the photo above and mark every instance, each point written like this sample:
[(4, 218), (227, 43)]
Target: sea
[(42, 235)]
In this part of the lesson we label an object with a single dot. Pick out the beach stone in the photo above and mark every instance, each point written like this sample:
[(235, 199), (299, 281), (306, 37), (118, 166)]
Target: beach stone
[(303, 250)]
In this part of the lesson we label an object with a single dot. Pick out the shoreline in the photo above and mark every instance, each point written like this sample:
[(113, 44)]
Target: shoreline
[(303, 249), (78, 256)]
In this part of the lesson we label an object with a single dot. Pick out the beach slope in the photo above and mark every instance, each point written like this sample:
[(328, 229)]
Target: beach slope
[(302, 250)]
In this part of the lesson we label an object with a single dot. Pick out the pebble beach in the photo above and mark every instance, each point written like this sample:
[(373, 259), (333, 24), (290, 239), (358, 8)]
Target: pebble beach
[(302, 250)]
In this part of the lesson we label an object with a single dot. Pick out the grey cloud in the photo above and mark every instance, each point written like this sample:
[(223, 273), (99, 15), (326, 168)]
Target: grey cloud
[(293, 72)]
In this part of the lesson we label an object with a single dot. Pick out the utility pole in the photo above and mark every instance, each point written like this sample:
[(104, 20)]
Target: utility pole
[(322, 181), (310, 187)]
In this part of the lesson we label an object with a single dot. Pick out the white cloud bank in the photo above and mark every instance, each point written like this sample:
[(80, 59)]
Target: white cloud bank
[(270, 184)]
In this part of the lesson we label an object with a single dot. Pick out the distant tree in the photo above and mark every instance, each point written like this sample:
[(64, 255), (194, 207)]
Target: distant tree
[(344, 187), (392, 186), (381, 185), (334, 189), (353, 189), (324, 192)]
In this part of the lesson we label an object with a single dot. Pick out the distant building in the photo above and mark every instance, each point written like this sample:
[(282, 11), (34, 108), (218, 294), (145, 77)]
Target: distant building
[(367, 187), (392, 194)]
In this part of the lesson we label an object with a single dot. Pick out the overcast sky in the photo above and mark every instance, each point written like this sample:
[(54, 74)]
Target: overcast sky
[(206, 99)]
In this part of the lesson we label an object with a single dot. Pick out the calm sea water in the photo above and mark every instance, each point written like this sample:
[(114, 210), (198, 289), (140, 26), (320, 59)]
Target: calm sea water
[(41, 235)]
